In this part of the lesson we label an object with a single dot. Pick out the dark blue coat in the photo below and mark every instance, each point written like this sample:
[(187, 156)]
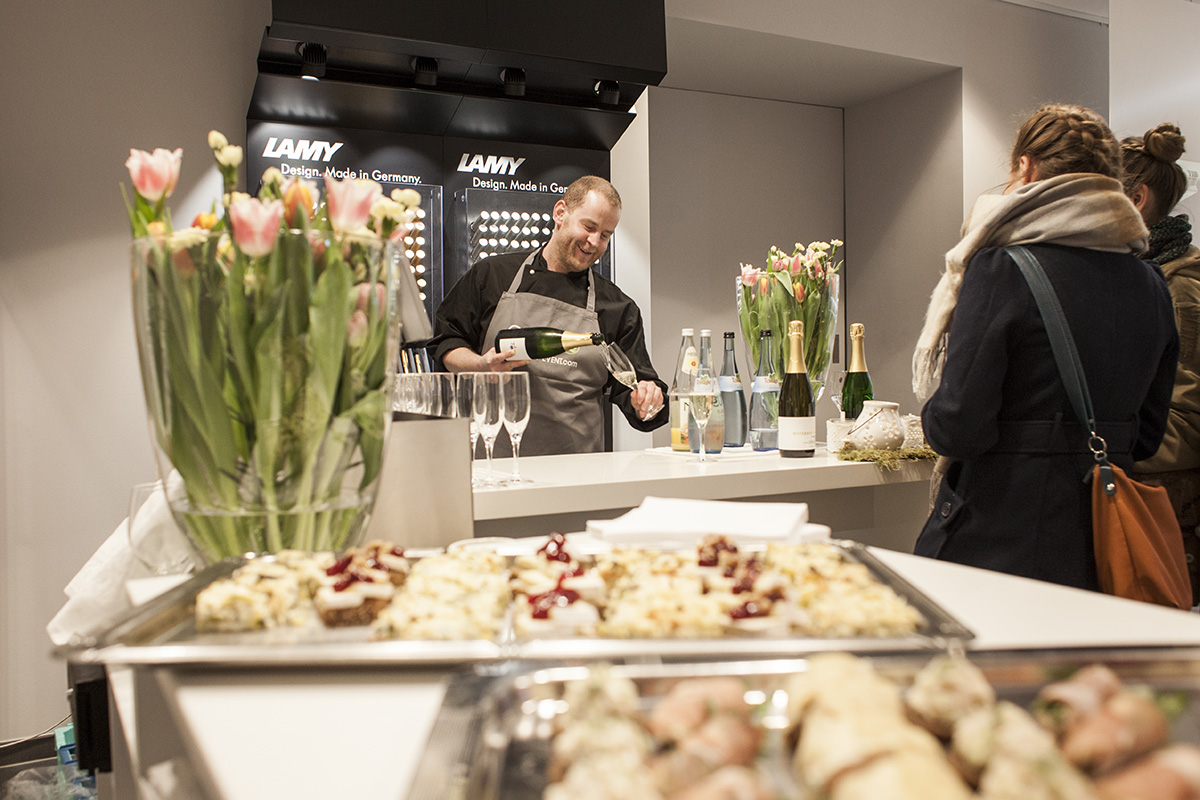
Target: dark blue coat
[(1015, 501)]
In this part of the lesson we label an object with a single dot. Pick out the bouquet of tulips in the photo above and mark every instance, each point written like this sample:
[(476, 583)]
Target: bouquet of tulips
[(267, 335), (801, 285)]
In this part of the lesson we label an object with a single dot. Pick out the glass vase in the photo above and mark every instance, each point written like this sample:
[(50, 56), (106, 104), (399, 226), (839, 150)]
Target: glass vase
[(268, 384), (772, 300)]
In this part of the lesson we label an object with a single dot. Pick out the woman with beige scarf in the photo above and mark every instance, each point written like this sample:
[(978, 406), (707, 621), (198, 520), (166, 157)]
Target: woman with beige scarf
[(1013, 498)]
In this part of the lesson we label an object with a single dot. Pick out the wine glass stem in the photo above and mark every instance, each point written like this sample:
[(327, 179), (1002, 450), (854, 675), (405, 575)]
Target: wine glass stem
[(516, 448), (488, 443), (703, 447)]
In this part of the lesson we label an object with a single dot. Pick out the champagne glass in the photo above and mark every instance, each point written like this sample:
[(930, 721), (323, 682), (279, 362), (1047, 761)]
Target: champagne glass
[(464, 399), (515, 391), (488, 410), (618, 364), (700, 404), (445, 394)]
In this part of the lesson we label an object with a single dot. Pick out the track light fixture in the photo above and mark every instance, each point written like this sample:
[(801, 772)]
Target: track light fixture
[(312, 60), (514, 81), (424, 71), (609, 92)]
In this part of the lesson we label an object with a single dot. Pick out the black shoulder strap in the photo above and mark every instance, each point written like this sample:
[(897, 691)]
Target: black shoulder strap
[(1063, 345)]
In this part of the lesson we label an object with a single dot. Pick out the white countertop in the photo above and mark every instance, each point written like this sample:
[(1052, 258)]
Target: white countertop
[(601, 481)]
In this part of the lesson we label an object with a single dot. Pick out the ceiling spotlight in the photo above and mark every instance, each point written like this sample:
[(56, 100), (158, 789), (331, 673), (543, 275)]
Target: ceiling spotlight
[(424, 70), (514, 81), (312, 60), (609, 92)]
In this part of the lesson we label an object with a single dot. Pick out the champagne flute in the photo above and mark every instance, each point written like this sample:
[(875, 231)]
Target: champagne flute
[(488, 410), (515, 391), (700, 404), (618, 364), (464, 398)]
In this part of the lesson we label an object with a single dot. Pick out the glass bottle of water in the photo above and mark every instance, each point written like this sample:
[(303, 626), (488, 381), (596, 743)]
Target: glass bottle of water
[(764, 399), (681, 385)]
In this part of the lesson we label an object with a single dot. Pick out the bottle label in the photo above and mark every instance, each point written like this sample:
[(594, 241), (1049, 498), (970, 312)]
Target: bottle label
[(691, 361), (728, 383), (797, 433), (765, 383), (516, 346)]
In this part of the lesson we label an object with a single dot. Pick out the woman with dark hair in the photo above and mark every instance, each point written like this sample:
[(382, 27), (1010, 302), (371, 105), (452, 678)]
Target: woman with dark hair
[(1013, 498), (1155, 183)]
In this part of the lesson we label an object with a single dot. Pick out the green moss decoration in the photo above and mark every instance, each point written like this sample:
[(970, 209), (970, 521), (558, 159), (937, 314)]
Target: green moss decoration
[(888, 459)]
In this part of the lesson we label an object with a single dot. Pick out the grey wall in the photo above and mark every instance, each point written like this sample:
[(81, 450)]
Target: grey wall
[(1146, 90), (85, 82), (1013, 58), (903, 170), (729, 177)]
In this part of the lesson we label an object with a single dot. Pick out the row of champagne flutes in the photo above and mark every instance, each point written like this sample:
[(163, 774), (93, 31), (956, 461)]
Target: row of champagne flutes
[(490, 400)]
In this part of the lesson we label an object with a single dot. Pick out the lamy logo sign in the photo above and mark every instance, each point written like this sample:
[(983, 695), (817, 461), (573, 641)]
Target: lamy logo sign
[(489, 165), (302, 150)]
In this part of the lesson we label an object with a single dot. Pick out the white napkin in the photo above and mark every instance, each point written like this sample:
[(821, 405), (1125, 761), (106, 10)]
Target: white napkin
[(677, 521), (97, 593)]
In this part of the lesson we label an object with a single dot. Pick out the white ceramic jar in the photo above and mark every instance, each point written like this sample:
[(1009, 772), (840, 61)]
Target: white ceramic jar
[(878, 426)]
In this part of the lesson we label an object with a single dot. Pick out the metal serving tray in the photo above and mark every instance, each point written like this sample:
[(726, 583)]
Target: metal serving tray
[(491, 739), (938, 631), (163, 631)]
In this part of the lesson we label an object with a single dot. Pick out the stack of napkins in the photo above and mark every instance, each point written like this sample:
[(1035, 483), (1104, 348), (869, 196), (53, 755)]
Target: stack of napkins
[(669, 521)]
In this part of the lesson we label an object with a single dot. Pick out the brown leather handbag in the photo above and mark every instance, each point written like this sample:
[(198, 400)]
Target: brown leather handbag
[(1139, 547), (1138, 543)]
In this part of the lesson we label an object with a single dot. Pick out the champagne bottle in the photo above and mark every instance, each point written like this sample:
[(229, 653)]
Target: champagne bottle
[(714, 433), (764, 399), (733, 397), (797, 415), (856, 386), (526, 344), (681, 385)]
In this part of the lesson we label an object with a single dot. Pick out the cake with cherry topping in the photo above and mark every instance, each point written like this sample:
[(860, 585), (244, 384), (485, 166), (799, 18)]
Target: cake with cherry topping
[(556, 594), (353, 593), (383, 556)]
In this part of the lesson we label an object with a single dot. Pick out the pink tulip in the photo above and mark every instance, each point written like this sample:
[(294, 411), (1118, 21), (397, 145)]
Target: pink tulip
[(154, 174), (255, 224), (749, 274), (362, 296), (796, 265), (350, 202), (356, 329)]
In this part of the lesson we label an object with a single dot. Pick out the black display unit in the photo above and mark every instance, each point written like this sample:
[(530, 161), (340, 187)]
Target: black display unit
[(487, 222)]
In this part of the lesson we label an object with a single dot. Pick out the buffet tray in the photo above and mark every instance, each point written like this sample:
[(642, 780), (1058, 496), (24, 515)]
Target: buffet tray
[(491, 739), (163, 631)]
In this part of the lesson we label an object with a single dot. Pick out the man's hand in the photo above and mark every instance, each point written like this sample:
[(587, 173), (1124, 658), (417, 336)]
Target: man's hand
[(462, 359), (499, 362), (647, 399)]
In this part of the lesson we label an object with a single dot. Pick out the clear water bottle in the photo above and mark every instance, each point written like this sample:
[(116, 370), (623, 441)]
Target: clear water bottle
[(681, 385), (733, 397), (714, 434), (764, 399)]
